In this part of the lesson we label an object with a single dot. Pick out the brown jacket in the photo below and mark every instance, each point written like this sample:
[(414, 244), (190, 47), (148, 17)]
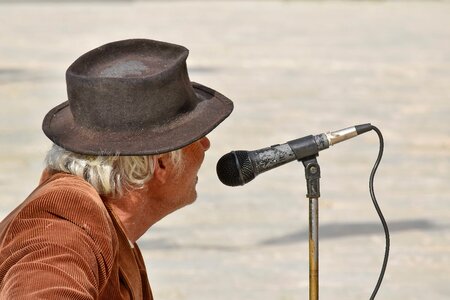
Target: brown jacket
[(62, 242)]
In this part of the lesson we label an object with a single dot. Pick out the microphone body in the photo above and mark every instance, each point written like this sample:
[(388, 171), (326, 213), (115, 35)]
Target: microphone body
[(240, 167)]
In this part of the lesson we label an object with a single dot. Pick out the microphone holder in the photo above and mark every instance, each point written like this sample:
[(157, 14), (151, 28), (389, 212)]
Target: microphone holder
[(312, 174)]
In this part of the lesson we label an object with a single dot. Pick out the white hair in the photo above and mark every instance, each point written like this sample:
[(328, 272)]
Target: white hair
[(109, 175)]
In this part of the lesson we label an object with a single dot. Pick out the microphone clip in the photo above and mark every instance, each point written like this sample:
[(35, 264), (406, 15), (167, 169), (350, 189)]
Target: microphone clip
[(312, 174)]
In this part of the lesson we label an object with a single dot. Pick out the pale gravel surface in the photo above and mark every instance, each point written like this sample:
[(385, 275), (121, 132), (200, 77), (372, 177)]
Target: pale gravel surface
[(292, 69)]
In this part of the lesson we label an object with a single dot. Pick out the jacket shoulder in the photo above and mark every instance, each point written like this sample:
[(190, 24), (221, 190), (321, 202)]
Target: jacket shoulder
[(63, 218), (64, 201)]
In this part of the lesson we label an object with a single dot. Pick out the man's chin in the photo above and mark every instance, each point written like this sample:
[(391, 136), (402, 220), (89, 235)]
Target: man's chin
[(189, 201), (193, 199)]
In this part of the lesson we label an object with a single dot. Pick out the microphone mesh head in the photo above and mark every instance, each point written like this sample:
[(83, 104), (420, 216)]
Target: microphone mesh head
[(235, 168)]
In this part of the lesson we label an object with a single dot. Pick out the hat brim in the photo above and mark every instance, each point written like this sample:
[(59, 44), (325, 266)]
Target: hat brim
[(212, 109)]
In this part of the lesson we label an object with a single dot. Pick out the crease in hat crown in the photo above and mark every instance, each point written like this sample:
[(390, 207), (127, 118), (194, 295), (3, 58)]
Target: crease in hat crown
[(128, 97), (183, 54)]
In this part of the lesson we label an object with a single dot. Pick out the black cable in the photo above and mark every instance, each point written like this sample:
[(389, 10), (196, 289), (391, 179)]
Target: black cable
[(380, 214)]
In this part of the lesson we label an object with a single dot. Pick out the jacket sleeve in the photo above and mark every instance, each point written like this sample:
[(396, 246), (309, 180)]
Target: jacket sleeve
[(60, 246)]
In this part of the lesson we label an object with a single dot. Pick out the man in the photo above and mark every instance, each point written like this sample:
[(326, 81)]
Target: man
[(128, 144)]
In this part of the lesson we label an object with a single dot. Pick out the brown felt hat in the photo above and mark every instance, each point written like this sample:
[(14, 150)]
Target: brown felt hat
[(133, 97)]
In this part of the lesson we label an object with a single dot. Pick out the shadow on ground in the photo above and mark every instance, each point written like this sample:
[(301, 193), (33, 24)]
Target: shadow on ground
[(327, 231), (334, 231)]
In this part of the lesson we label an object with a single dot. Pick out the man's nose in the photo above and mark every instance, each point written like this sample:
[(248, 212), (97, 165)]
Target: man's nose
[(205, 143)]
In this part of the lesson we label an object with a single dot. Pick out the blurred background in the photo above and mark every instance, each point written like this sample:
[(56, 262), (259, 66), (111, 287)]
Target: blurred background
[(292, 68)]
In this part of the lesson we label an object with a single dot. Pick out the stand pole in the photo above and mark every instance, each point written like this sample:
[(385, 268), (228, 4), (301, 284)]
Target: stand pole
[(313, 248), (312, 174)]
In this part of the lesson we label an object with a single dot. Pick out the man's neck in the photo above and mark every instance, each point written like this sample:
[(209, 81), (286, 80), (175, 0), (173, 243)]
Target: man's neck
[(136, 211)]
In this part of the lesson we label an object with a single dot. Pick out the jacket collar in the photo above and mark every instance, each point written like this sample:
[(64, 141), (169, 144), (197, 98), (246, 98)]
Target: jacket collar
[(127, 259)]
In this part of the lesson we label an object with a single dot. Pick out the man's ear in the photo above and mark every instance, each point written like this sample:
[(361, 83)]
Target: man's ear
[(160, 172)]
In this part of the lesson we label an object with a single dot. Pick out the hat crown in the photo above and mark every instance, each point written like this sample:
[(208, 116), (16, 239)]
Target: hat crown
[(130, 84)]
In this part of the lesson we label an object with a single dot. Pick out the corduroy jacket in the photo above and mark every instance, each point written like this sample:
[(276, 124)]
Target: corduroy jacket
[(63, 242)]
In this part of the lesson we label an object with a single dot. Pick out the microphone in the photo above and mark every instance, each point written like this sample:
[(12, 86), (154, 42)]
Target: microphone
[(240, 167)]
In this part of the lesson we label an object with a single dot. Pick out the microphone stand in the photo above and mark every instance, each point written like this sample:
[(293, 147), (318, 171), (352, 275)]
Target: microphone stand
[(312, 174)]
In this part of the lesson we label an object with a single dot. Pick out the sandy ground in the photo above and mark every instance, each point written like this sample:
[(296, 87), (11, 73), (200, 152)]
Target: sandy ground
[(292, 69)]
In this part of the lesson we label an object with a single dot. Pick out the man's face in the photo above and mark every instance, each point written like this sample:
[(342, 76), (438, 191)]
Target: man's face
[(181, 182)]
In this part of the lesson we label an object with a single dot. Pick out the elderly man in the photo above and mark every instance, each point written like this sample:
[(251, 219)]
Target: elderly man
[(128, 144)]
